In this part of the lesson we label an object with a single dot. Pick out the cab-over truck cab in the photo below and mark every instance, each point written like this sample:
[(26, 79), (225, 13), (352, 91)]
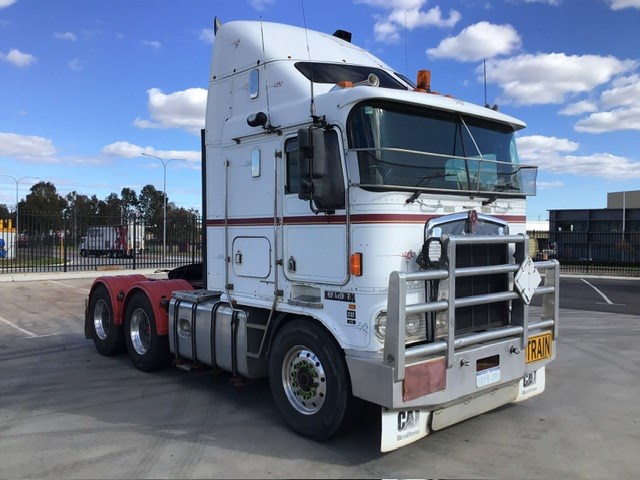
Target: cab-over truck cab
[(365, 241)]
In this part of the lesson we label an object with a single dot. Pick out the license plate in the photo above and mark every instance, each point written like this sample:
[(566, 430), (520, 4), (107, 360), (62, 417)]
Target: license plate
[(539, 347)]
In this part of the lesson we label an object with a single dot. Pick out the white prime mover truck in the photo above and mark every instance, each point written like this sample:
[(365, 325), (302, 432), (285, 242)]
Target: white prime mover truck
[(365, 241)]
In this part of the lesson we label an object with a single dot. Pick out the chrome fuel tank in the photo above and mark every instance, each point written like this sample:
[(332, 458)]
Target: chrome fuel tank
[(204, 329)]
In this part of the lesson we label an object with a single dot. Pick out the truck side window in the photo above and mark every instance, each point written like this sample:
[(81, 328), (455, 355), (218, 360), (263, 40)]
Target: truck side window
[(291, 160), (330, 188), (254, 84)]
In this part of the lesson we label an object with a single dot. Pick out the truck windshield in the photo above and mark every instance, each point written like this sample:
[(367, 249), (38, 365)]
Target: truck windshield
[(408, 148)]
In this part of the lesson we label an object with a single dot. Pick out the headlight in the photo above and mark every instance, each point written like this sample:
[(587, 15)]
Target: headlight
[(441, 329), (415, 327), (381, 325), (442, 326)]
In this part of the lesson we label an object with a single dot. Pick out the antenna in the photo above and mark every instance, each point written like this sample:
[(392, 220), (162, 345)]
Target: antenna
[(484, 67), (264, 66), (406, 63), (312, 106)]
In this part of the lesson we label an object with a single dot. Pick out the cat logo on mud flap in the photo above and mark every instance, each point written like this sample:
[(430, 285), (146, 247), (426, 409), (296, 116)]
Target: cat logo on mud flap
[(408, 419), (402, 427)]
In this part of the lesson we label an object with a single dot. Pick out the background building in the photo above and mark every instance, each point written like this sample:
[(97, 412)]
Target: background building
[(609, 235)]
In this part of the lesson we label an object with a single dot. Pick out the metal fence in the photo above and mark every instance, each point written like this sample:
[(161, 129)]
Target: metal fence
[(597, 253), (57, 243)]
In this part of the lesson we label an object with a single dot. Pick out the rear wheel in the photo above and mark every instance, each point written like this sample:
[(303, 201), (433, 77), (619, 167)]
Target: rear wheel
[(309, 381), (106, 335), (148, 350)]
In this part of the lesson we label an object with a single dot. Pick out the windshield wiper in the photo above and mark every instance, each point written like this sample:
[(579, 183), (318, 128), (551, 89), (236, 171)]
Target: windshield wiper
[(414, 196)]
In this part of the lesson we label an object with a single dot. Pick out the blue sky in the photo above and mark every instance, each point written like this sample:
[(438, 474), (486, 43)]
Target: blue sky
[(87, 86)]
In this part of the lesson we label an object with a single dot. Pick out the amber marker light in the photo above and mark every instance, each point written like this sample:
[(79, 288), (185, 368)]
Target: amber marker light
[(356, 264)]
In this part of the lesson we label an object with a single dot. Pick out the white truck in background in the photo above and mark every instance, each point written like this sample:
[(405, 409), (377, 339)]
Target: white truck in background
[(113, 240), (365, 241)]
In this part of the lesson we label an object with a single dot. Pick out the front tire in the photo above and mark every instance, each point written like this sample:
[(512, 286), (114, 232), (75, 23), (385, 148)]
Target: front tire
[(309, 381), (106, 335), (148, 350)]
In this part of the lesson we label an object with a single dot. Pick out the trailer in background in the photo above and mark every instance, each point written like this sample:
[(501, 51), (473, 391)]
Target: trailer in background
[(113, 240)]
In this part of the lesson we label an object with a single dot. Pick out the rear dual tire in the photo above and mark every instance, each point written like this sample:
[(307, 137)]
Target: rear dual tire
[(148, 350), (107, 337)]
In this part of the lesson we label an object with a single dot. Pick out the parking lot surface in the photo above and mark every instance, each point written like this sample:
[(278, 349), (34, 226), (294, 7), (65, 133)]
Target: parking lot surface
[(68, 412)]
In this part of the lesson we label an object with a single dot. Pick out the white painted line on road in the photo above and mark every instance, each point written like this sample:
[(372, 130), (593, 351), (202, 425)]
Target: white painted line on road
[(606, 299), (83, 290), (11, 324)]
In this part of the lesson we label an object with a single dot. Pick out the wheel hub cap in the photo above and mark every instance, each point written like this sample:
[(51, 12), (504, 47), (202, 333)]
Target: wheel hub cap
[(304, 380)]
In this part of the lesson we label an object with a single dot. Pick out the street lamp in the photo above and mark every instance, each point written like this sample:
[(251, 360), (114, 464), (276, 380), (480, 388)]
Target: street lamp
[(164, 198), (18, 180)]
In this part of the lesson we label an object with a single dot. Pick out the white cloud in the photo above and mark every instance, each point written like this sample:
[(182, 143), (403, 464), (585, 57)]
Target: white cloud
[(151, 43), (18, 58), (547, 78), (260, 5), (76, 65), (625, 92), (620, 108), (130, 150), (478, 41), (184, 109), (6, 3), (534, 148), (549, 185), (25, 147), (206, 35), (69, 36), (578, 108), (618, 119), (549, 2), (407, 13), (553, 155), (620, 4)]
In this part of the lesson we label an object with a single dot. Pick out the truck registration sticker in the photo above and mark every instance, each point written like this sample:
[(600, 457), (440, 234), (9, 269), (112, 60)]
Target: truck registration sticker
[(340, 296), (487, 377)]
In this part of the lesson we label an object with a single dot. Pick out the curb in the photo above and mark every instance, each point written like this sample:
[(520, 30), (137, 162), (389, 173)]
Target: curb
[(34, 277)]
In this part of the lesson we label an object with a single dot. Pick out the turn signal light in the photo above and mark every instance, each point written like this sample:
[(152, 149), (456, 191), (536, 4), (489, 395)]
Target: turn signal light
[(355, 264)]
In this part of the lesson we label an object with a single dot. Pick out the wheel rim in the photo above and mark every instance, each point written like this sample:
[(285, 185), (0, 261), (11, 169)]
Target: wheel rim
[(140, 331), (303, 380), (101, 319)]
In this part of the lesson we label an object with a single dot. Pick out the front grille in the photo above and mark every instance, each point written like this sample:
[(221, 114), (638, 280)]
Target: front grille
[(481, 317)]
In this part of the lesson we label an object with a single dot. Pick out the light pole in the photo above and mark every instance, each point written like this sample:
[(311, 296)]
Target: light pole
[(18, 180), (164, 198)]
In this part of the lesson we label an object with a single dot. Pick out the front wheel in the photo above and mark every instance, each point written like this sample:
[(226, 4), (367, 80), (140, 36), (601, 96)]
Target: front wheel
[(309, 381), (148, 350)]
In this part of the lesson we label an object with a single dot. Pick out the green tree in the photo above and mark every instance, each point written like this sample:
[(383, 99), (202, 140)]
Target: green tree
[(43, 199), (150, 208), (42, 210), (111, 207), (130, 201), (4, 212)]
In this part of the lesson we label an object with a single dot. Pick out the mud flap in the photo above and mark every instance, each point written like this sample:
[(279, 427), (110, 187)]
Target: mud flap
[(402, 427), (87, 330), (531, 385)]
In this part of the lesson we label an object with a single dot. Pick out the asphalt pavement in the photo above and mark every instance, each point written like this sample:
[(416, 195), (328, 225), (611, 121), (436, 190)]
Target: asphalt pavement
[(68, 412)]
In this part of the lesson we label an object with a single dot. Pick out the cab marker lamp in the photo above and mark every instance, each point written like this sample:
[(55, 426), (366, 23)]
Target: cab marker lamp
[(355, 264)]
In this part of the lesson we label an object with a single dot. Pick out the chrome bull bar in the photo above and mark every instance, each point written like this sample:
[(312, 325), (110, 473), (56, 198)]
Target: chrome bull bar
[(396, 354)]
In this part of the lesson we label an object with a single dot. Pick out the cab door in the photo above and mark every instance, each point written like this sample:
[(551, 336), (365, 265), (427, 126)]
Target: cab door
[(314, 244)]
